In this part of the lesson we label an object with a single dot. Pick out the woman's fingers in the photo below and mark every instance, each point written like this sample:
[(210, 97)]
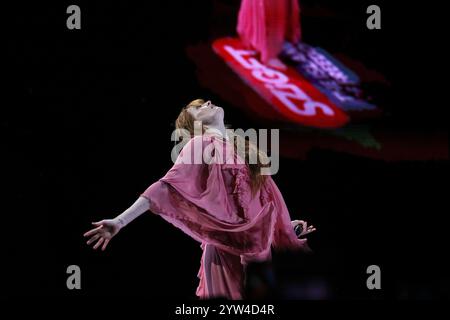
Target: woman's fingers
[(100, 234), (92, 239), (310, 229), (92, 231), (99, 242), (297, 222), (304, 225), (306, 229), (105, 244)]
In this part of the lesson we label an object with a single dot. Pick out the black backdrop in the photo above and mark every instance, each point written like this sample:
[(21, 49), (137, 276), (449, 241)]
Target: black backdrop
[(89, 109)]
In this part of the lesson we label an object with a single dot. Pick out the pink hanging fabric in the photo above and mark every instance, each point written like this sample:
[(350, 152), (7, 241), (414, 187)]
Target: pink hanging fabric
[(264, 25), (211, 201)]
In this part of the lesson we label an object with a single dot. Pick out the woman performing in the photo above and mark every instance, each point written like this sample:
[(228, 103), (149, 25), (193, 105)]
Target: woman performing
[(264, 25), (219, 199)]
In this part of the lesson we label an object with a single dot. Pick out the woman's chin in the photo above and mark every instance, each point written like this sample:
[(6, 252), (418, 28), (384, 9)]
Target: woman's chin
[(221, 112)]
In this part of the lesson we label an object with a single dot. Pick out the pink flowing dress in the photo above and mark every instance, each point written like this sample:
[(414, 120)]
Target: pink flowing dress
[(264, 25), (211, 201)]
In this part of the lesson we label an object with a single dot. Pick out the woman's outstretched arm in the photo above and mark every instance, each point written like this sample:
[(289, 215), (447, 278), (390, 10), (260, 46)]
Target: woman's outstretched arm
[(139, 207), (105, 230)]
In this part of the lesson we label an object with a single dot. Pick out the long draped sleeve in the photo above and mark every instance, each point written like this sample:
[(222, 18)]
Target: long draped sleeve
[(212, 203)]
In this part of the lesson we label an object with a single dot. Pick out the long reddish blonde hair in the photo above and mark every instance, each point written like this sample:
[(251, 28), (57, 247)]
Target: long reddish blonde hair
[(186, 121)]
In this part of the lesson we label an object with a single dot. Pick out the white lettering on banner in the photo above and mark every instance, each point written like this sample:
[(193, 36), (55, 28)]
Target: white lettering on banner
[(296, 93), (278, 84)]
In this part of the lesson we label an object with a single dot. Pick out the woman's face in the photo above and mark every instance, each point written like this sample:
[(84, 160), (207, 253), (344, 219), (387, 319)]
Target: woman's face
[(208, 113)]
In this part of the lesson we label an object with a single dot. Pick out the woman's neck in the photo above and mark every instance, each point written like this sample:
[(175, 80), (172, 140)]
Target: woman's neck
[(217, 128)]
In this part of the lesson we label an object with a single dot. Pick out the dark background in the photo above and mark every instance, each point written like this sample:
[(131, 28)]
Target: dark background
[(88, 125)]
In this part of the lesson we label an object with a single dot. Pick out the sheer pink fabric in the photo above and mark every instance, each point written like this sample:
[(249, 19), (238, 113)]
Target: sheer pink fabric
[(264, 25), (213, 204)]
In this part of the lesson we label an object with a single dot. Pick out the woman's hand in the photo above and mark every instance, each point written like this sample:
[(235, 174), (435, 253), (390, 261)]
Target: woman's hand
[(103, 232), (106, 229), (305, 228)]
